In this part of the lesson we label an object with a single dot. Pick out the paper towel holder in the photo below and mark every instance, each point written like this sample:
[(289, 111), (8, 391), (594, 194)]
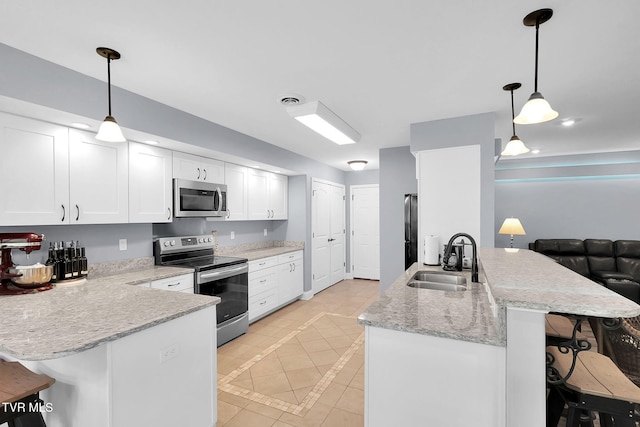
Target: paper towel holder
[(431, 250)]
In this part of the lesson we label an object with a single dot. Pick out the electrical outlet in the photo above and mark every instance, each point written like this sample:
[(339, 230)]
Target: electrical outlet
[(169, 352), (265, 231), (123, 244), (233, 235)]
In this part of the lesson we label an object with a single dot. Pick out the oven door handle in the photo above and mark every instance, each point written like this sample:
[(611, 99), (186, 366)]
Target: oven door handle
[(224, 273)]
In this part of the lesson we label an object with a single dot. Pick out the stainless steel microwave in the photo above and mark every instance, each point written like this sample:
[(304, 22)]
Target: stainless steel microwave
[(199, 199)]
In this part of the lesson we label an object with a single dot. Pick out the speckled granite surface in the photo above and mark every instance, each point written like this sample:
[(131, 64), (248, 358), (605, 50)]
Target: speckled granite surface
[(463, 316), (70, 319), (522, 279), (262, 250), (530, 280)]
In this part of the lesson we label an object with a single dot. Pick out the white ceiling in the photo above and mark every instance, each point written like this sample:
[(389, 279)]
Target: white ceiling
[(380, 65)]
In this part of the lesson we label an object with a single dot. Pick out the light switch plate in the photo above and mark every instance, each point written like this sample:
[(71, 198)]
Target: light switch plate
[(265, 231), (233, 235), (123, 244)]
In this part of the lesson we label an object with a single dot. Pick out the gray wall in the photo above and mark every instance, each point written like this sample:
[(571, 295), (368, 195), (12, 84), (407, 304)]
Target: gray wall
[(586, 196), (397, 178)]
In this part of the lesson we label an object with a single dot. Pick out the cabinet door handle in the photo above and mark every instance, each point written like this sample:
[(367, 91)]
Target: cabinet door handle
[(198, 177), (64, 213), (294, 266), (173, 284), (263, 281), (78, 212), (228, 213), (331, 240), (205, 174), (169, 212), (290, 268), (263, 302)]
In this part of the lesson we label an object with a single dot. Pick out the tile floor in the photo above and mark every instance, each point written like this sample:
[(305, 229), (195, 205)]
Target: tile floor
[(302, 366)]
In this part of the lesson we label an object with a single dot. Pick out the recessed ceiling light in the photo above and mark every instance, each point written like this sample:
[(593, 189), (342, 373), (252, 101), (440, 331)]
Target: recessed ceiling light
[(568, 122), (80, 125), (535, 151)]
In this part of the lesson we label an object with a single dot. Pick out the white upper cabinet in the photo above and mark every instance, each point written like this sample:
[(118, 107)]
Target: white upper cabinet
[(196, 168), (267, 195), (34, 169), (98, 179), (150, 184), (237, 181)]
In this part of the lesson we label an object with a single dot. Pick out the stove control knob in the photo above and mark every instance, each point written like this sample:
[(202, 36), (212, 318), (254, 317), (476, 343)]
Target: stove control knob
[(173, 243), (200, 240), (209, 239), (166, 244)]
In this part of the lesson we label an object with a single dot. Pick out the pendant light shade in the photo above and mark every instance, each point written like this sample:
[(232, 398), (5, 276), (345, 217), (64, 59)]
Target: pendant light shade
[(537, 109), (515, 145), (109, 130)]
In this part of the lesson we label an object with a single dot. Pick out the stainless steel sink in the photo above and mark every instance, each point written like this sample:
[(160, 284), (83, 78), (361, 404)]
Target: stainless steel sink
[(439, 277), (437, 286)]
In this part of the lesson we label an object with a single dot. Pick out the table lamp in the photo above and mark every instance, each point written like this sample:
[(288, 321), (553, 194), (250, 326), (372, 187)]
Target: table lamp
[(512, 226)]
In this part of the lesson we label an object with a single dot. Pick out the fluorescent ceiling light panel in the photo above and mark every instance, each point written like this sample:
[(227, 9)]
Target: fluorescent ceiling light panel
[(322, 120)]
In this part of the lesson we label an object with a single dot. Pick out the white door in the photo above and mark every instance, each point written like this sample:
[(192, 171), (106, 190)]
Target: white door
[(328, 242), (98, 174), (34, 171), (150, 192), (236, 178), (365, 232)]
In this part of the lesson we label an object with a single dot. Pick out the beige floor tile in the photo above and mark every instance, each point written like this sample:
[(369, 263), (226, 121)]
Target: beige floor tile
[(340, 341), (265, 410), (352, 400), (232, 399), (246, 418), (290, 348), (309, 334), (338, 417), (226, 411), (244, 381), (356, 362), (316, 345), (329, 333), (287, 396), (282, 424), (226, 364), (276, 383), (358, 379), (345, 376), (324, 357), (323, 369), (303, 378), (269, 365), (332, 394), (301, 393), (296, 361), (313, 418)]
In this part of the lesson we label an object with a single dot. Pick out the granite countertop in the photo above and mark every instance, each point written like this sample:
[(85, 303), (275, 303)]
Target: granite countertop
[(254, 254), (530, 280), (520, 279), (70, 319), (465, 316)]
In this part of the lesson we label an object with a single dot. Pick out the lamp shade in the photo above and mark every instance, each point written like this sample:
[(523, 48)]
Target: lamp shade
[(110, 131), (316, 116), (513, 227), (536, 110), (514, 147), (357, 165)]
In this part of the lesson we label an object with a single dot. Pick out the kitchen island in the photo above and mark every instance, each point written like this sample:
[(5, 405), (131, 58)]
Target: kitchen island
[(121, 355), (475, 357)]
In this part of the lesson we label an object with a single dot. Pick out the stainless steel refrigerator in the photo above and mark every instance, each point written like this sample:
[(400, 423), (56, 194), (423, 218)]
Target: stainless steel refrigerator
[(410, 229)]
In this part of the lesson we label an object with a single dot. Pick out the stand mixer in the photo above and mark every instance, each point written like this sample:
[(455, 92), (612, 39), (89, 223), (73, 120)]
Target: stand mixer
[(26, 242)]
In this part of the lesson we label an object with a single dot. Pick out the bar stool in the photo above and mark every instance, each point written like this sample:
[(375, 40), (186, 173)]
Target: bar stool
[(19, 394)]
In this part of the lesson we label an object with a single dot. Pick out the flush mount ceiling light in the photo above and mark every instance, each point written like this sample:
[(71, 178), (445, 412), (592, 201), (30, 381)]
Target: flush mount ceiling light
[(537, 109), (357, 165), (109, 130), (515, 146), (322, 120)]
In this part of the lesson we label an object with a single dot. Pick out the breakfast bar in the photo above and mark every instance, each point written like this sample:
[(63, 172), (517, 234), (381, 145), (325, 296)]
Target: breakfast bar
[(120, 354), (473, 357)]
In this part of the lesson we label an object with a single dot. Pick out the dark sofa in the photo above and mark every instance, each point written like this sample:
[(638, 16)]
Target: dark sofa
[(615, 265)]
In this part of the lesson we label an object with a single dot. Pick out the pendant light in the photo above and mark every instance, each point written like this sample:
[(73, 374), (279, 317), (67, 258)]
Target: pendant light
[(515, 145), (109, 130), (537, 109)]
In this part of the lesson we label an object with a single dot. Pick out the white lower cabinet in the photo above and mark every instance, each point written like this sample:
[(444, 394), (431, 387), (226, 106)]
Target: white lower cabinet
[(274, 282), (182, 283)]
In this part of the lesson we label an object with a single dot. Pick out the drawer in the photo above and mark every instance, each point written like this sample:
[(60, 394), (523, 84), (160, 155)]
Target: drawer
[(290, 257), (263, 280), (262, 263), (183, 283), (262, 303)]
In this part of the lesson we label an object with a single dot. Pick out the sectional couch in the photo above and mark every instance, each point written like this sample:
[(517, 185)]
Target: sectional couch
[(615, 265)]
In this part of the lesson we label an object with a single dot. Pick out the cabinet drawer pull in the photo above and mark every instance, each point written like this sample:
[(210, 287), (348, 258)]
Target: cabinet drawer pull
[(173, 284), (64, 213), (263, 281), (205, 174), (198, 177), (262, 263), (169, 212), (78, 212), (263, 302)]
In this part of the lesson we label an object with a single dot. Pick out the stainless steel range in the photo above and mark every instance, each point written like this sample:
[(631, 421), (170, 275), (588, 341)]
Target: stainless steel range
[(220, 276)]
